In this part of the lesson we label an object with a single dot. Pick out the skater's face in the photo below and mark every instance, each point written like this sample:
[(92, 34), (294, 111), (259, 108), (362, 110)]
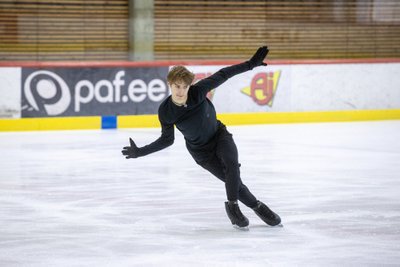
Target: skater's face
[(179, 91)]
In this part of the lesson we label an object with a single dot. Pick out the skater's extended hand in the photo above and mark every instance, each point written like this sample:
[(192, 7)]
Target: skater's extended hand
[(131, 151), (258, 58)]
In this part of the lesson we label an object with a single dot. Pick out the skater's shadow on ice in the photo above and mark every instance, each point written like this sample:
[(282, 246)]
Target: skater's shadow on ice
[(264, 226), (228, 231)]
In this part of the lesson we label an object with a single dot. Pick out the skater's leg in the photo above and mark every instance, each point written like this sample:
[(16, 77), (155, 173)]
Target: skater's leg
[(228, 154), (215, 167), (246, 197)]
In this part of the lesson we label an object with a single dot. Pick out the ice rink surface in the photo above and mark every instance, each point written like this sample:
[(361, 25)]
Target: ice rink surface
[(69, 198)]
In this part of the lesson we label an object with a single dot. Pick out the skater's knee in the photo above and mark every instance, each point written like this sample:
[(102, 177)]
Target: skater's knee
[(243, 188), (232, 163)]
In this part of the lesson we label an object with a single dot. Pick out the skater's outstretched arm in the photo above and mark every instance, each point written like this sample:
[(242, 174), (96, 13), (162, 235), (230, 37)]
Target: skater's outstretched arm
[(224, 74), (166, 139)]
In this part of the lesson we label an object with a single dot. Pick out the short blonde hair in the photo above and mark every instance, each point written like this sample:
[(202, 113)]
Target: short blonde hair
[(180, 73)]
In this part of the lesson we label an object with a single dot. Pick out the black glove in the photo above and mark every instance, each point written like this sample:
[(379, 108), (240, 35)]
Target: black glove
[(258, 58), (131, 151)]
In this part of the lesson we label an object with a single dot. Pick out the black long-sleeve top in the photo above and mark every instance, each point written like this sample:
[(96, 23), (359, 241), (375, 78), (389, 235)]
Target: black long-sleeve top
[(197, 119)]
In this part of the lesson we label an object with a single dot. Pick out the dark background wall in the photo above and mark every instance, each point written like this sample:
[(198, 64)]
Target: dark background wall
[(63, 30), (47, 30)]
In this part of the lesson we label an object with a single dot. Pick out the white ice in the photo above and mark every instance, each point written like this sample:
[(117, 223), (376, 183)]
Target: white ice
[(69, 198)]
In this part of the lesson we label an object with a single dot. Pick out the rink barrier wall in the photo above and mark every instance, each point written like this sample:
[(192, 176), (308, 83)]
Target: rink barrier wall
[(151, 121), (144, 121)]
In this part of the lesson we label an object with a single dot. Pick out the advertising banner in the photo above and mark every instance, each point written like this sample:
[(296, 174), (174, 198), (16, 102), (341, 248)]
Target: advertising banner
[(58, 92), (298, 88), (133, 90), (262, 89)]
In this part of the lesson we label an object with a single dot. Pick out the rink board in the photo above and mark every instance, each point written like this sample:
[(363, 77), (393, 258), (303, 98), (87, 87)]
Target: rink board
[(110, 95)]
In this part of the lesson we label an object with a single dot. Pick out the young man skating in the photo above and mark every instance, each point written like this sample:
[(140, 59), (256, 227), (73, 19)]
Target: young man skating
[(207, 138)]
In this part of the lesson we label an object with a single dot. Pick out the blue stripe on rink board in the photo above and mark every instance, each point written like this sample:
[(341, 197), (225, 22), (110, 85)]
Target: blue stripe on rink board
[(108, 122)]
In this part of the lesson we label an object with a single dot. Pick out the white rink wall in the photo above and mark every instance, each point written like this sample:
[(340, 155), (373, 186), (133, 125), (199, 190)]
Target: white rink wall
[(315, 87), (10, 92), (345, 87), (298, 87)]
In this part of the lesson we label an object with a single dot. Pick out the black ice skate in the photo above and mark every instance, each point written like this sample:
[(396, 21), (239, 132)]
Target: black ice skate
[(235, 215), (267, 215)]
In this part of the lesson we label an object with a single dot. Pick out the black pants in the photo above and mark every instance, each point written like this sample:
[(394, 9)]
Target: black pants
[(223, 163)]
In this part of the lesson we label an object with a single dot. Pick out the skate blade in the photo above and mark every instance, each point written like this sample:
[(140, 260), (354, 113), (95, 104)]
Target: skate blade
[(246, 228)]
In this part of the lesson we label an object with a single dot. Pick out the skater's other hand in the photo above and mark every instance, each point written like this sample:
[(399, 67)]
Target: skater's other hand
[(258, 58), (131, 151)]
